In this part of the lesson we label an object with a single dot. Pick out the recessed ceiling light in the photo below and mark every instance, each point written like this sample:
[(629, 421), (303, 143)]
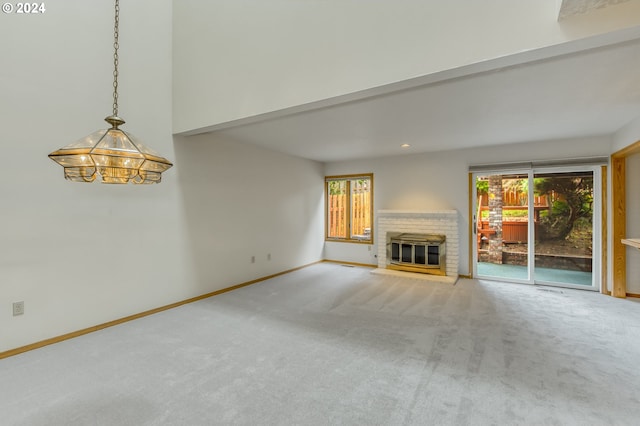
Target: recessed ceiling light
[(405, 145)]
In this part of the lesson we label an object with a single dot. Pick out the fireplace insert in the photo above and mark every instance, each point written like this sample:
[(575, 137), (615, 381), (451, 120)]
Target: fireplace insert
[(417, 252)]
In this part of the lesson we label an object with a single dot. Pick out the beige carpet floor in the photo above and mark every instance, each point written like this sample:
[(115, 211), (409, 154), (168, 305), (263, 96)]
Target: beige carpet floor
[(337, 345)]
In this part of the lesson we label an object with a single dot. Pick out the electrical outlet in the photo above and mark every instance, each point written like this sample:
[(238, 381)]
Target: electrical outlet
[(253, 259), (18, 308)]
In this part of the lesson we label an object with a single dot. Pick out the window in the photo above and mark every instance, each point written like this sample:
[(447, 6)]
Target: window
[(349, 203)]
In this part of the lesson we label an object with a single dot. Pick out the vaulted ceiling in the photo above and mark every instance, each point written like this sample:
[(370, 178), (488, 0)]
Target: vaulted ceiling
[(554, 93)]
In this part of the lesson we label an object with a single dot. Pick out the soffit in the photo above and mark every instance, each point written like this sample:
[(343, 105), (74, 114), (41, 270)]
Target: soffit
[(583, 94)]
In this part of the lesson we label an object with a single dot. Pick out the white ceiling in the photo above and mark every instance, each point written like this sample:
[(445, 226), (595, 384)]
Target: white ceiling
[(585, 93)]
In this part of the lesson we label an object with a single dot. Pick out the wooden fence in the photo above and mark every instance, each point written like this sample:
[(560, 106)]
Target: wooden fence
[(516, 198), (360, 214)]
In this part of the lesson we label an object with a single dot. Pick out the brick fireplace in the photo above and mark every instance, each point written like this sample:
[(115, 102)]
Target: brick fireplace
[(440, 222)]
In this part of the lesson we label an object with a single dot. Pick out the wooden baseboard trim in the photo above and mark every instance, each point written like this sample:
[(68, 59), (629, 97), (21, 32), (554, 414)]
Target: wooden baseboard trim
[(88, 330), (633, 295), (365, 265), (465, 276)]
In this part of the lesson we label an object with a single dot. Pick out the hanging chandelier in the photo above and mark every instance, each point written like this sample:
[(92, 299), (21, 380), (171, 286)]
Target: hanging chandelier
[(113, 154)]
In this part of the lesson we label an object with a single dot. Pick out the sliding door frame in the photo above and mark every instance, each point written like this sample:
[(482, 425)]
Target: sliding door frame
[(598, 254)]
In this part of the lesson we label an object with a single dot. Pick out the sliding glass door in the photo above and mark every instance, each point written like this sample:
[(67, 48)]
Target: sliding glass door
[(567, 228), (538, 226), (502, 226)]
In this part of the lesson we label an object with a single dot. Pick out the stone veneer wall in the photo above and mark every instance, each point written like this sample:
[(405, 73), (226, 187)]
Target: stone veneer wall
[(442, 222), (495, 219)]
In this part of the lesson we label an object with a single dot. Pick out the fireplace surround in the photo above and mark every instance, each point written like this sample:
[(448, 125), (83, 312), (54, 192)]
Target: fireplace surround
[(440, 223)]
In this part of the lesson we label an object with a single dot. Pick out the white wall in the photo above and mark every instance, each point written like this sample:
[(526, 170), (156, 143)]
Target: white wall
[(439, 181), (241, 201), (72, 252), (83, 254), (240, 58)]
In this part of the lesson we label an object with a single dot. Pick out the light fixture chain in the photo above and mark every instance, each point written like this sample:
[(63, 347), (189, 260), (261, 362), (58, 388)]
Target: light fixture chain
[(115, 59)]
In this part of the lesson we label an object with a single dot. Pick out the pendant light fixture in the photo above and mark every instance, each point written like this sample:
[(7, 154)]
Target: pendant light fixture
[(117, 156)]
